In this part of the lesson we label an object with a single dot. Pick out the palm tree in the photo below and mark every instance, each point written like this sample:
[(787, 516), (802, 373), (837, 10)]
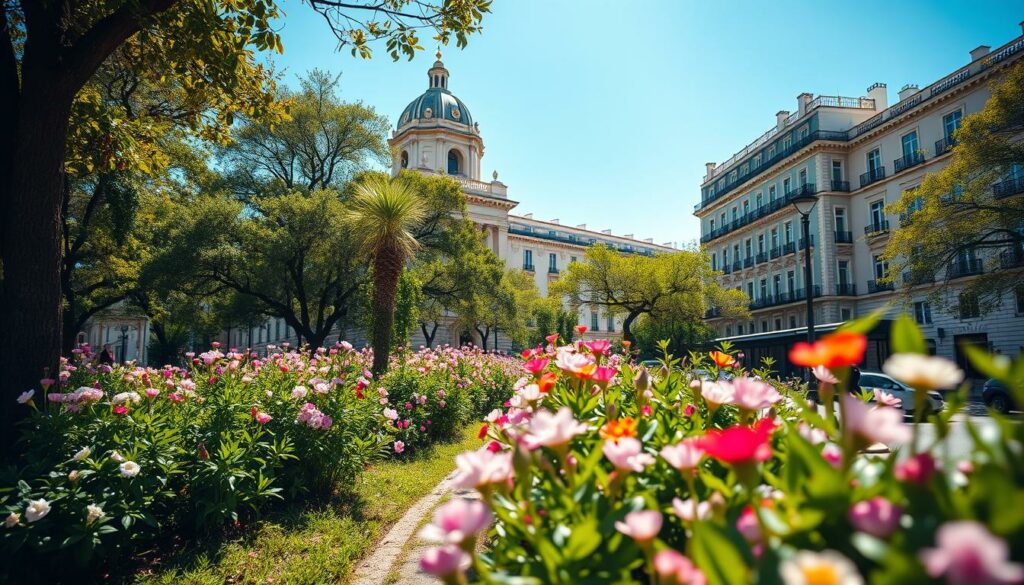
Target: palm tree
[(381, 216)]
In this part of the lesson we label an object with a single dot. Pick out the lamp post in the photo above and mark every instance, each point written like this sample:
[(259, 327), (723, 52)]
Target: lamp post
[(124, 343), (804, 203)]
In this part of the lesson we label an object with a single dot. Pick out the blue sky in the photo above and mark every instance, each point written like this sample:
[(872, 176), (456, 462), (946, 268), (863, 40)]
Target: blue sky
[(594, 113)]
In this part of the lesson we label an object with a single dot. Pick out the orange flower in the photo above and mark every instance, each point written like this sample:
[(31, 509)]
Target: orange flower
[(840, 349), (722, 359), (547, 381), (617, 429)]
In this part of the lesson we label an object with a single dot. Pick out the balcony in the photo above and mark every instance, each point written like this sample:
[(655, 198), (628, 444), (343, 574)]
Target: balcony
[(877, 228), (841, 186), (552, 270), (945, 145), (1011, 258), (844, 237), (789, 248), (910, 160), (846, 289), (748, 262), (802, 246), (727, 269), (964, 267), (762, 257), (775, 252), (762, 211), (1011, 186), (783, 298), (872, 176), (528, 267), (913, 278), (712, 313), (875, 286), (737, 266)]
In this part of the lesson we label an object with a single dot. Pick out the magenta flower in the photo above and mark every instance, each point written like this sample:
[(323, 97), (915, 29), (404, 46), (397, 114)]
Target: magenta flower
[(481, 468), (456, 521), (603, 375), (399, 446), (641, 526), (878, 517), (599, 346), (263, 418), (684, 455), (917, 469), (968, 554), (627, 454), (536, 365), (553, 430), (444, 561)]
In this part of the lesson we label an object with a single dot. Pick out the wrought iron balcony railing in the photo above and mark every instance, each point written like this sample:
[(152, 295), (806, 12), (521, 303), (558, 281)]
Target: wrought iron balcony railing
[(964, 267), (846, 289), (905, 162), (873, 175), (844, 237), (876, 228), (876, 286)]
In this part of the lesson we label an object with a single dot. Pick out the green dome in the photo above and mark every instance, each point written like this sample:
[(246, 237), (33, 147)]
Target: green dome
[(436, 103)]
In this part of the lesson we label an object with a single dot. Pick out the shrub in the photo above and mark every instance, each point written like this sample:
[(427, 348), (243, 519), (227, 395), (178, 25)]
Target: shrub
[(600, 472)]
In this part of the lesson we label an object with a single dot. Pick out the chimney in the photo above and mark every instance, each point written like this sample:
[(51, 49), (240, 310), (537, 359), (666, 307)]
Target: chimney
[(649, 240), (668, 245), (780, 118), (908, 90), (803, 103), (528, 216), (582, 226), (981, 51), (554, 221), (629, 236), (606, 232), (878, 93), (710, 168)]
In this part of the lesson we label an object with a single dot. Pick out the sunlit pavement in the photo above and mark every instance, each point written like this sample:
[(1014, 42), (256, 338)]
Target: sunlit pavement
[(958, 444)]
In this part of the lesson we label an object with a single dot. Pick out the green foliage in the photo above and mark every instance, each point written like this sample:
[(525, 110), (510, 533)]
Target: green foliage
[(954, 212), (407, 306), (683, 335)]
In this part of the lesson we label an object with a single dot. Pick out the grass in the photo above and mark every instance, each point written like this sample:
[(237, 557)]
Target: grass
[(314, 543)]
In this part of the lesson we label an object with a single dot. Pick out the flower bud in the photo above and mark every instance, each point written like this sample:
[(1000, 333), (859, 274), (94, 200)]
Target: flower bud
[(642, 380)]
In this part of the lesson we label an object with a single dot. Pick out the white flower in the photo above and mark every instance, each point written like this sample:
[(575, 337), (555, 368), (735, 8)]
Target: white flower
[(125, 397), (36, 509), (85, 452), (875, 424), (717, 394), (691, 509), (299, 392), (93, 513), (811, 568), (130, 469), (25, 396), (923, 372), (884, 398), (12, 520), (117, 457)]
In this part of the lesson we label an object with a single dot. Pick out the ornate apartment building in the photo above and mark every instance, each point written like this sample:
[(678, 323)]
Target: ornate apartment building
[(856, 155)]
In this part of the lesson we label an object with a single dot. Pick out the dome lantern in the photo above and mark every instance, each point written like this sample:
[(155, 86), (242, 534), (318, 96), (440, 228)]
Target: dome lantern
[(438, 74)]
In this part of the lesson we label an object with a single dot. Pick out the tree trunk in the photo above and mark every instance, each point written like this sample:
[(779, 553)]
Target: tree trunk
[(30, 338), (387, 270), (627, 333), (428, 337), (484, 334), (316, 340)]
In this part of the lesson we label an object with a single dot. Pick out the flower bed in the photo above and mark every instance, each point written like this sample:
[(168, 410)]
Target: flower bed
[(113, 456), (599, 472)]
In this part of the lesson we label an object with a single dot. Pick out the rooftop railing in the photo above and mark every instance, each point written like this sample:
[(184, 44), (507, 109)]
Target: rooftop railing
[(964, 267), (763, 211)]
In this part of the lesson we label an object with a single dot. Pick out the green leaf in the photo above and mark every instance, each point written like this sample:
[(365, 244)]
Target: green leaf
[(717, 555), (906, 337), (585, 538)]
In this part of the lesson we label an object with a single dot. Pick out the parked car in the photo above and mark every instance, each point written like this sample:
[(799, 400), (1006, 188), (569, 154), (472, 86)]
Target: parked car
[(997, 397), (871, 380)]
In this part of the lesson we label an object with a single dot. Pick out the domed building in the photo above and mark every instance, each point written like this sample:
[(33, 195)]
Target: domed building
[(436, 134)]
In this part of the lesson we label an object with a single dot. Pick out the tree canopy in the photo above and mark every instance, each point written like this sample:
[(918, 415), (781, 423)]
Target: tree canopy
[(679, 285), (956, 217)]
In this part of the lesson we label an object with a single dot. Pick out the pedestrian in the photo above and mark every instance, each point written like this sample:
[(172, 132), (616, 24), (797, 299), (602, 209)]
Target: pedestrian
[(854, 379), (106, 355)]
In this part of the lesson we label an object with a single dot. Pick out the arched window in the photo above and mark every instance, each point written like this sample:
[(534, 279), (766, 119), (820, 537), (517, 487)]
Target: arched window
[(405, 159), (454, 162)]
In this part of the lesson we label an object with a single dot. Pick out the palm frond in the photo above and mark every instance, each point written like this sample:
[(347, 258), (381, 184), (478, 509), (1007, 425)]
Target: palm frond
[(383, 213)]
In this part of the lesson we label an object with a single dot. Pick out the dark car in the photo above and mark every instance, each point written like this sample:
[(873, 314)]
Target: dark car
[(997, 397)]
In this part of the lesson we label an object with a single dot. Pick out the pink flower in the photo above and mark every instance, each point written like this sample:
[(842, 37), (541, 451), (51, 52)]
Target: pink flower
[(824, 375), (875, 425), (716, 393), (263, 418), (884, 398), (740, 444), (444, 561), (152, 392), (484, 467), (751, 394), (689, 410), (968, 554), (684, 455), (748, 526), (536, 365), (399, 446), (456, 521), (120, 410), (603, 375), (552, 430), (580, 365), (878, 517), (675, 569), (627, 454), (691, 509), (917, 469), (599, 346), (641, 526)]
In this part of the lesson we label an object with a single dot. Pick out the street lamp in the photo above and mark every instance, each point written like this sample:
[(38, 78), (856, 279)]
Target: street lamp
[(804, 203), (124, 343)]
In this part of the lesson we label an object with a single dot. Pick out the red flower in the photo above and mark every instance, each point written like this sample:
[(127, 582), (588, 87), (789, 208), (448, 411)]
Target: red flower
[(722, 359), (740, 444), (482, 433), (552, 339), (645, 410), (203, 453), (527, 353), (494, 446), (254, 411), (581, 329), (689, 410), (120, 409), (917, 469), (536, 365), (844, 348)]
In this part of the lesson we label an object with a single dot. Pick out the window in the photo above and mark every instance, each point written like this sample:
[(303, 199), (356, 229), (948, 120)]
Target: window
[(923, 313), (764, 326), (757, 160), (790, 281), (792, 322), (789, 231), (771, 193), (760, 200), (572, 259), (881, 267), (844, 273), (728, 331), (734, 212), (405, 159), (844, 314), (722, 222), (712, 224), (840, 213), (527, 259), (775, 237), (764, 288), (750, 290), (552, 262), (803, 177), (1018, 297), (909, 142), (837, 170), (878, 213), (969, 307), (951, 123), (778, 324), (785, 185), (747, 248), (874, 160), (277, 329), (777, 285), (735, 253), (714, 261), (739, 330), (771, 151), (593, 321), (725, 257), (454, 162), (746, 208), (760, 243)]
